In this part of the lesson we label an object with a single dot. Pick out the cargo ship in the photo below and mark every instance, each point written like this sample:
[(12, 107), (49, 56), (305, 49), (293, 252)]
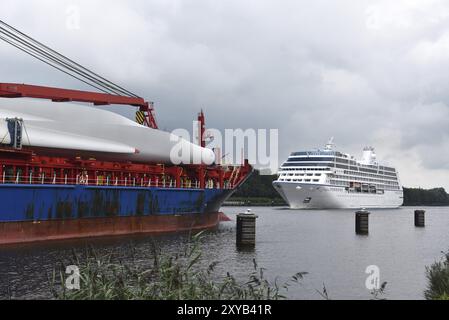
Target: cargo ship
[(74, 171)]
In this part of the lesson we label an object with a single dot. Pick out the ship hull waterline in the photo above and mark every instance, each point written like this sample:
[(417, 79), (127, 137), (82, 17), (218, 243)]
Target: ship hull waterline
[(35, 213)]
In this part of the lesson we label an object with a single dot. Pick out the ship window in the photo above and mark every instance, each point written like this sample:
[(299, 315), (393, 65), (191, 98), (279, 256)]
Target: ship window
[(310, 159), (316, 180), (289, 164), (339, 160), (299, 153)]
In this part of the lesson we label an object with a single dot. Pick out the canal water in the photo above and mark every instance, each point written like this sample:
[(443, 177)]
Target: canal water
[(320, 242)]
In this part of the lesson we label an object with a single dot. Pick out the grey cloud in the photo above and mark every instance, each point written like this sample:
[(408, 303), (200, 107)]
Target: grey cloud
[(366, 72)]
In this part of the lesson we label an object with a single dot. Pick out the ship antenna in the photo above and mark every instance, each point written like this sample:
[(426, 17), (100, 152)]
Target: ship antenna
[(330, 144)]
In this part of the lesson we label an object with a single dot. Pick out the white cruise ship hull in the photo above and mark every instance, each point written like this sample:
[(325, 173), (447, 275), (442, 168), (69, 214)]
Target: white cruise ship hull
[(316, 196)]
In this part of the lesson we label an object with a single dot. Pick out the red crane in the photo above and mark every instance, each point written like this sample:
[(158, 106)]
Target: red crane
[(14, 90)]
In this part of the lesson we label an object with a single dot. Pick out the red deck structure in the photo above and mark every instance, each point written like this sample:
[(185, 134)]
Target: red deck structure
[(15, 90)]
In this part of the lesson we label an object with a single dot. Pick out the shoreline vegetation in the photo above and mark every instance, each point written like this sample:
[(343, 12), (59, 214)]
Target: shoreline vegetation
[(183, 275), (258, 191), (437, 276)]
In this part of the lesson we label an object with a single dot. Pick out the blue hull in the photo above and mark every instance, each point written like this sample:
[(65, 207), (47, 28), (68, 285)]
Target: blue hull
[(31, 213), (56, 202)]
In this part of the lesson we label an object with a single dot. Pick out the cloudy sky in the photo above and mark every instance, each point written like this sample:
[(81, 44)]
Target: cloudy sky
[(366, 72)]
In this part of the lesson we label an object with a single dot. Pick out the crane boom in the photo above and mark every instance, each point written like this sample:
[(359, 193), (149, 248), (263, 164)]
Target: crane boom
[(15, 90)]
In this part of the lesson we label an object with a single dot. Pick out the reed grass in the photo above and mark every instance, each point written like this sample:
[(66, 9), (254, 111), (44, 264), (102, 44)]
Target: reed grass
[(178, 276), (438, 279)]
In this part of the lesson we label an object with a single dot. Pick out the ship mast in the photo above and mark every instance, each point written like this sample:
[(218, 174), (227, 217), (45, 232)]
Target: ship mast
[(330, 144)]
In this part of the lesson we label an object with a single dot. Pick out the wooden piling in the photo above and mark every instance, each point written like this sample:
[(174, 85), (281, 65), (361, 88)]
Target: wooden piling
[(362, 222), (420, 218), (246, 229)]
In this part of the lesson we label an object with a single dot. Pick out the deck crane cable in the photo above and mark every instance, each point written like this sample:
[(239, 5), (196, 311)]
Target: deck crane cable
[(74, 64), (64, 61), (48, 63), (45, 55)]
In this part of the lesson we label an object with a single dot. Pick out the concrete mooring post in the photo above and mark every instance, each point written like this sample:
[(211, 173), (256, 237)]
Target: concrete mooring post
[(362, 222), (420, 218), (246, 229)]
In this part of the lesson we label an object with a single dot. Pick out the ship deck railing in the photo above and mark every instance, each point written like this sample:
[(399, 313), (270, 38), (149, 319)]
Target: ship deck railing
[(108, 182)]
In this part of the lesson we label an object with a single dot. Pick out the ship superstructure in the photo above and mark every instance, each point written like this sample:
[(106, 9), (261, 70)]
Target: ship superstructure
[(326, 178)]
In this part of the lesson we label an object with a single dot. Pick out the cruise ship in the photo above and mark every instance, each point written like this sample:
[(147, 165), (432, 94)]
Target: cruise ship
[(329, 179)]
